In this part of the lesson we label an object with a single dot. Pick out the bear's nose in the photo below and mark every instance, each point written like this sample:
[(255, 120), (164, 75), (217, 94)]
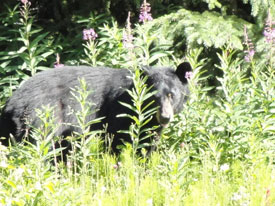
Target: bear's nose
[(164, 119)]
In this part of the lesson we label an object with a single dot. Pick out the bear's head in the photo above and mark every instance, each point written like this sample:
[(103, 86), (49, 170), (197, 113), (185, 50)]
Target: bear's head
[(171, 90)]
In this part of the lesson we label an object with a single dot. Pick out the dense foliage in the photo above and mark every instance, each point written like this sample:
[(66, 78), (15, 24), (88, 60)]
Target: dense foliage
[(218, 151)]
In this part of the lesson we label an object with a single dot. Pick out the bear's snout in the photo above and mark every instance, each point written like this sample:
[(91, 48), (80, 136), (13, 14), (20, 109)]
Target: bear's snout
[(166, 112)]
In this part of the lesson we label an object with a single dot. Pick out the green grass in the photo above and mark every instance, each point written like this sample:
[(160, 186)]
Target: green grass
[(164, 179)]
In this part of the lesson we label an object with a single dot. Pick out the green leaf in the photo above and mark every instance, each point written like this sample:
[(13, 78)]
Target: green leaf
[(40, 37)]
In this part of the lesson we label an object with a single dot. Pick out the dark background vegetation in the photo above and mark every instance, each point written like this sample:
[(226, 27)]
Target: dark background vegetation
[(62, 16), (180, 24), (62, 19)]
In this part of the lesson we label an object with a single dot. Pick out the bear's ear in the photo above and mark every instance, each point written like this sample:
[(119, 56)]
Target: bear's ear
[(181, 71)]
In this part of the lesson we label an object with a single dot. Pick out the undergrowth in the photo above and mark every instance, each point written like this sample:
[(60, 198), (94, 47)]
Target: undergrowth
[(218, 151)]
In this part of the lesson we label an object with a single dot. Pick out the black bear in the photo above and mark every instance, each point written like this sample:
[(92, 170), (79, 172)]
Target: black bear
[(109, 88)]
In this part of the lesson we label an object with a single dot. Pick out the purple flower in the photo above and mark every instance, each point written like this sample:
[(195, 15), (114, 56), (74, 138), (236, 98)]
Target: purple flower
[(249, 45), (58, 65), (182, 145), (269, 34), (188, 75), (127, 40), (24, 1), (118, 165), (145, 14), (89, 34), (249, 55)]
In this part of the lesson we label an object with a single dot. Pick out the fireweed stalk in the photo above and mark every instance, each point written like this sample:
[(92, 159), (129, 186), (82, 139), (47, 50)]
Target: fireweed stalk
[(89, 36), (269, 34), (127, 35), (26, 3), (25, 14), (57, 64), (145, 40), (25, 32), (127, 41), (269, 31), (249, 46), (145, 14), (33, 44)]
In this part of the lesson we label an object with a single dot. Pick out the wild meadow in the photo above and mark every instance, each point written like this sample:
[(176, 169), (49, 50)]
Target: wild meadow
[(219, 151)]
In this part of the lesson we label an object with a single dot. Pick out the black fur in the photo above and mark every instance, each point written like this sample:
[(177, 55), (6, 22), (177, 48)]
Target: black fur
[(108, 86)]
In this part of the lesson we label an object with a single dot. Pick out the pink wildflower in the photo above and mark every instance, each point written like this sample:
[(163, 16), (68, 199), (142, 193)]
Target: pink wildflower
[(89, 34), (188, 75), (269, 31), (182, 145), (145, 14), (24, 1)]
